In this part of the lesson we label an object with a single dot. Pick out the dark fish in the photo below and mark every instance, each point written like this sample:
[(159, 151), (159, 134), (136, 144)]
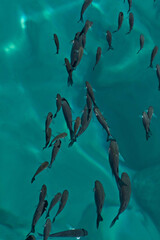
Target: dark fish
[(59, 136), (109, 40), (53, 203), (67, 115), (131, 22), (77, 49), (130, 4), (30, 237), (124, 195), (114, 161), (69, 233), (98, 56), (88, 24), (158, 75), (47, 229), (40, 169), (85, 120), (69, 70), (43, 193), (48, 121), (55, 151), (99, 197), (102, 121), (146, 124), (62, 204), (153, 54), (45, 206), (90, 92), (150, 112), (89, 105), (141, 42), (58, 104), (84, 7), (56, 42), (120, 20), (48, 137)]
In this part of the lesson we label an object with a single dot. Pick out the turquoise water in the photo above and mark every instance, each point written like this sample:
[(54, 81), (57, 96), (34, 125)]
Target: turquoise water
[(31, 75)]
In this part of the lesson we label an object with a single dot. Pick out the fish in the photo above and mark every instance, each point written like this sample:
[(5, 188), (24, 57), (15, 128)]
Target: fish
[(53, 202), (47, 229), (90, 92), (43, 166), (131, 22), (88, 24), (146, 124), (45, 206), (114, 161), (109, 40), (48, 121), (31, 237), (48, 137), (43, 193), (69, 70), (79, 57), (62, 204), (130, 4), (59, 136), (77, 49), (141, 42), (102, 121), (89, 105), (153, 54), (69, 233), (67, 115), (55, 151), (99, 197), (124, 195), (98, 56), (83, 9), (77, 125), (120, 21), (58, 104), (56, 42), (158, 75), (150, 112), (85, 120)]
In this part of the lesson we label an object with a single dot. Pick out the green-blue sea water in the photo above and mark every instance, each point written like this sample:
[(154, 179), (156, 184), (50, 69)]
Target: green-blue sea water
[(31, 75)]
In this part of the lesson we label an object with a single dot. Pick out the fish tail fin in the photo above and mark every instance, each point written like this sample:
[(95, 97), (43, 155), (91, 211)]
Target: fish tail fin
[(33, 179), (138, 51), (50, 145), (99, 219), (109, 137), (70, 81), (44, 147), (150, 66), (114, 220), (110, 48), (128, 32), (94, 67), (57, 51), (81, 19), (120, 183), (115, 31), (53, 220), (50, 165), (55, 115)]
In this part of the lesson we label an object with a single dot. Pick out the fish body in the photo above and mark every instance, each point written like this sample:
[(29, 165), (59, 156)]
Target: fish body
[(59, 136), (124, 195), (146, 124), (90, 92), (98, 56), (54, 201), (43, 193), (158, 75), (48, 121), (43, 166), (109, 40), (120, 21), (47, 229), (56, 42), (55, 151), (77, 125), (99, 197), (131, 22), (150, 112), (45, 206), (84, 7), (141, 42), (130, 5), (58, 104), (67, 115), (88, 24), (153, 54), (102, 121), (48, 137), (62, 204)]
